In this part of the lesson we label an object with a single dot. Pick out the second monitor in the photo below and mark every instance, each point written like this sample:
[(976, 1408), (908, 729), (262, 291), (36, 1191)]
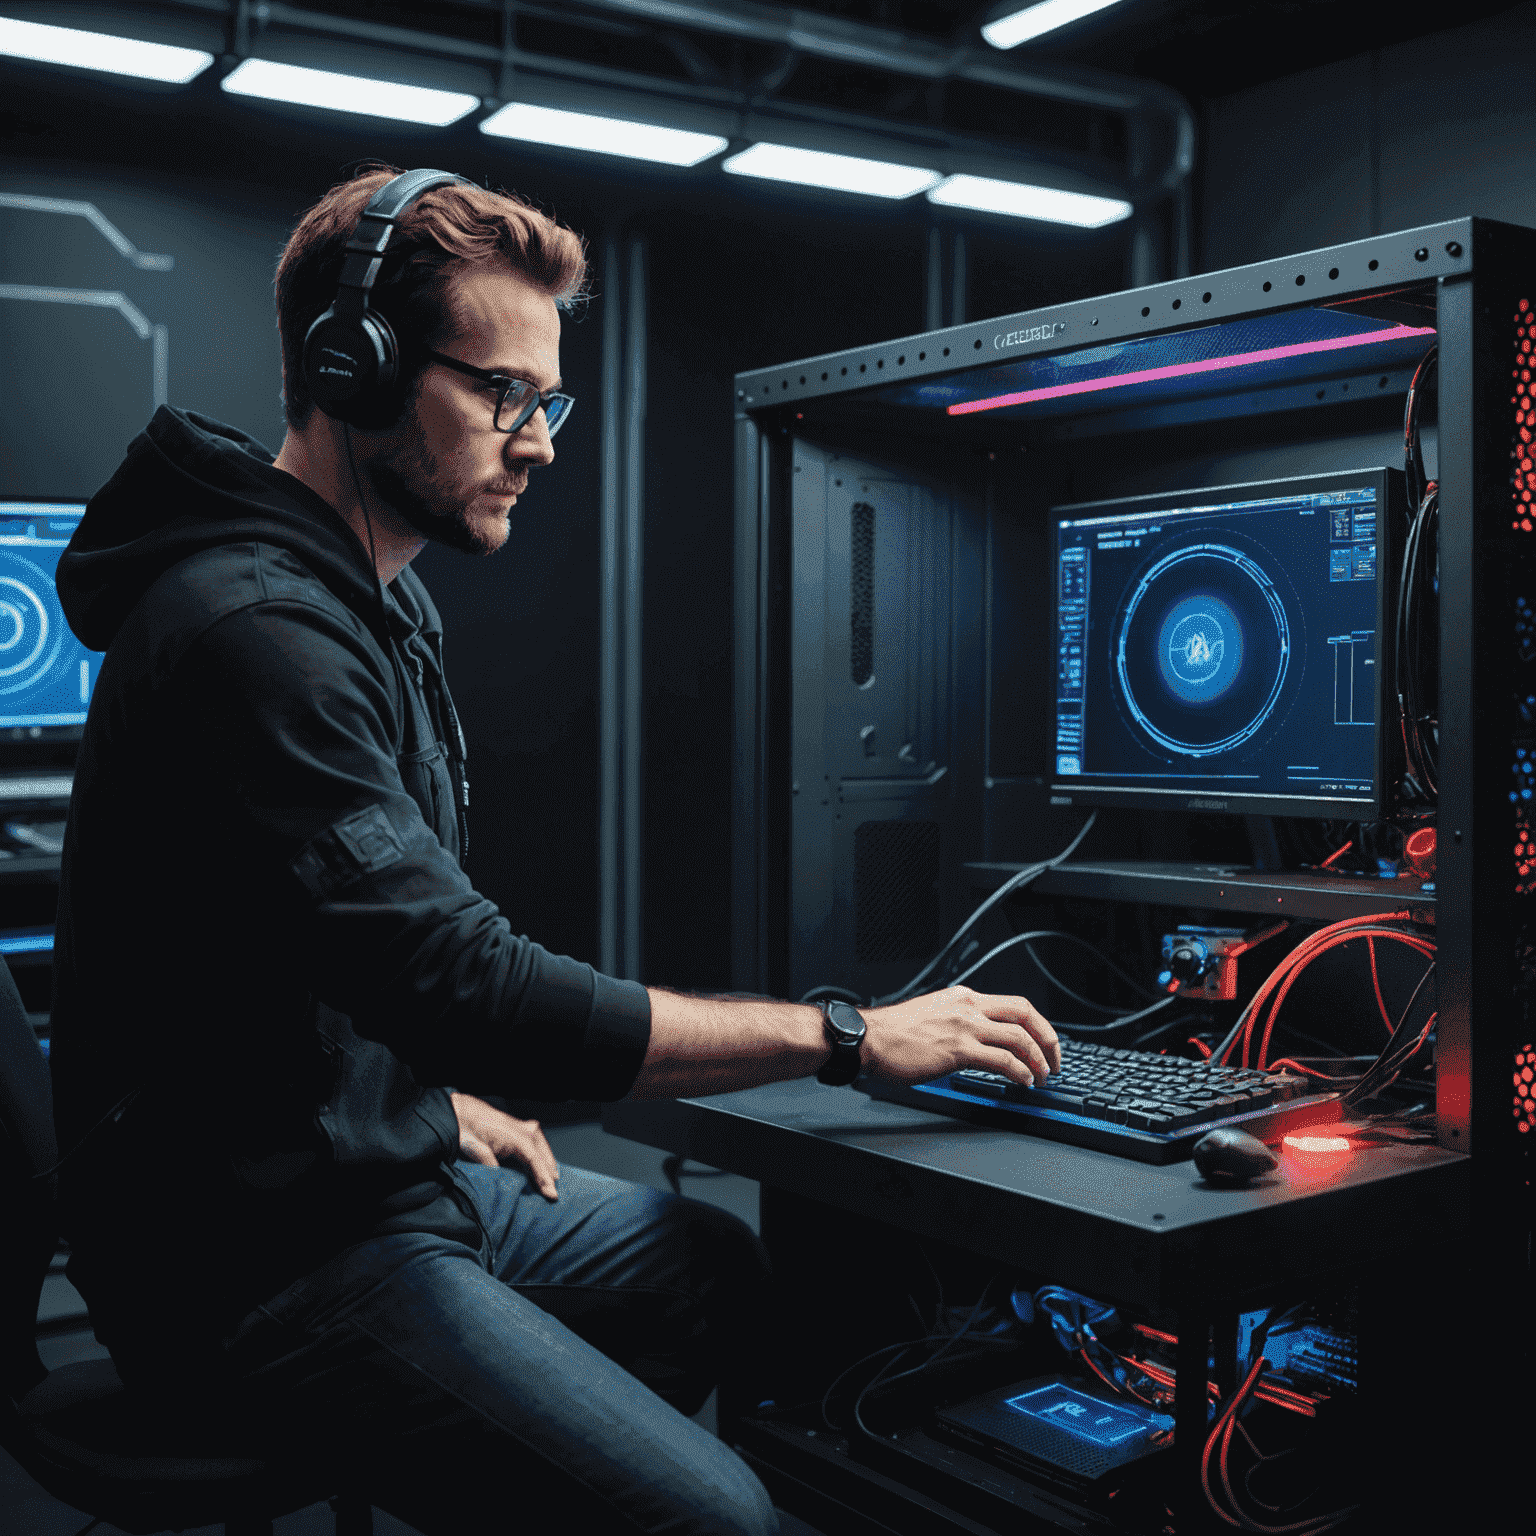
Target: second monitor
[(1225, 649)]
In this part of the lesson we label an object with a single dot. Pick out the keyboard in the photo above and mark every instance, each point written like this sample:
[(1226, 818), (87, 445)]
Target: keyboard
[(1133, 1103)]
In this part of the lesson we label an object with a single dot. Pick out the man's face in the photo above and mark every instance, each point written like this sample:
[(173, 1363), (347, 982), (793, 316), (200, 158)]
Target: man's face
[(444, 468)]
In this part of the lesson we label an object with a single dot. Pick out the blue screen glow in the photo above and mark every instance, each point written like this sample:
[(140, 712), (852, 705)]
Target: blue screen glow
[(46, 675), (1087, 1418), (1220, 642)]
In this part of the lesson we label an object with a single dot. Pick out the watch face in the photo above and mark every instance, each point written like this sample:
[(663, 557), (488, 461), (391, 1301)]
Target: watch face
[(846, 1020)]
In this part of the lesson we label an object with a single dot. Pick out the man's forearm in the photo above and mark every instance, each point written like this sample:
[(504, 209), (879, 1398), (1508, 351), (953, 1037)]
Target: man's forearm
[(715, 1045)]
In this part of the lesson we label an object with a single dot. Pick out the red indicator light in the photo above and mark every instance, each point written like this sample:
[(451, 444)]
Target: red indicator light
[(1317, 1143), (1181, 370), (1419, 850)]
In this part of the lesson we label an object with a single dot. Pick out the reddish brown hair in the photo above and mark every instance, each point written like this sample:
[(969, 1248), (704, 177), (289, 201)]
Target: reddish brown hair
[(444, 230)]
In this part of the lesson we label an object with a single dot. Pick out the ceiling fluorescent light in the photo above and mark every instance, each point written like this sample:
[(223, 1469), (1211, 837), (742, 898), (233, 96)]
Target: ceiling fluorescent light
[(98, 50), (1026, 202), (837, 173), (348, 93), (1018, 26), (602, 135)]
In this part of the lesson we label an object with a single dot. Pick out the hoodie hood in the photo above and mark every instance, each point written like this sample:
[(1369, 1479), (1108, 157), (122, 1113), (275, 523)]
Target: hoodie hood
[(190, 483)]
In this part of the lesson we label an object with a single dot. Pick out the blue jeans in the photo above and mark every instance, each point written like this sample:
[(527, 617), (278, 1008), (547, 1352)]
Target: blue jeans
[(551, 1372)]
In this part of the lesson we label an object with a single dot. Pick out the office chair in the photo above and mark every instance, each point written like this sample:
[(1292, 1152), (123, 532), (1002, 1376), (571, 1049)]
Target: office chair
[(76, 1430)]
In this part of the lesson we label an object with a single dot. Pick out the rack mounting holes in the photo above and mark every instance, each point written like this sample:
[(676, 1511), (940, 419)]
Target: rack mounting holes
[(1301, 279), (1205, 298), (946, 351), (1177, 303), (1453, 248), (802, 378), (900, 360), (1146, 309), (1333, 273), (1381, 383), (823, 378), (922, 356), (1268, 286), (1372, 265), (862, 367), (1422, 254), (978, 343)]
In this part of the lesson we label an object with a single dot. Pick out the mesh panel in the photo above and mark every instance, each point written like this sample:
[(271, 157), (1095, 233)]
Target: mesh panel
[(895, 890), (861, 593)]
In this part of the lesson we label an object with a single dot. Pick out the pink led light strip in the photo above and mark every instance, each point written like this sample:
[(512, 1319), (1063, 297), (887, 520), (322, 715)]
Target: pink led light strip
[(1179, 370)]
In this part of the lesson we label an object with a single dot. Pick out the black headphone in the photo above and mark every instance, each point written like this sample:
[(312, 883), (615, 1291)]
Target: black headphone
[(351, 356)]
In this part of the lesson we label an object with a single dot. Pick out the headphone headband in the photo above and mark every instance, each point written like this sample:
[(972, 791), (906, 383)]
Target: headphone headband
[(351, 356)]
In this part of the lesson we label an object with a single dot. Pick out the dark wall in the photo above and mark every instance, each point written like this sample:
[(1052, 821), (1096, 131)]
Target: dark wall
[(740, 275), (1415, 132)]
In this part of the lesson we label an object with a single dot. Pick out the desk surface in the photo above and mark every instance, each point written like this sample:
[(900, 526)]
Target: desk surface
[(1154, 1236)]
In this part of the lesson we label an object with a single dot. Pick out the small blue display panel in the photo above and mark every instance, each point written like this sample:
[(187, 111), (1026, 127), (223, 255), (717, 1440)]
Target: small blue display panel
[(46, 675), (1221, 643), (1088, 1418)]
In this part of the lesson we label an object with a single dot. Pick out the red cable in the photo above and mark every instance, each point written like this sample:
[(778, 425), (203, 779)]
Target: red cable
[(1297, 956), (1284, 975), (1423, 946), (1338, 853)]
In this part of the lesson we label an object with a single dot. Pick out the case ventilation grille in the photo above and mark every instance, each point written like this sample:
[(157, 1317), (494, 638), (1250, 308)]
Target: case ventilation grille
[(861, 594)]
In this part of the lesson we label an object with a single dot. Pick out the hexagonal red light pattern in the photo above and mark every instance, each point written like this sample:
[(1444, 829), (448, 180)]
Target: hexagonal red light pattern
[(1525, 1089), (1525, 857), (1523, 478)]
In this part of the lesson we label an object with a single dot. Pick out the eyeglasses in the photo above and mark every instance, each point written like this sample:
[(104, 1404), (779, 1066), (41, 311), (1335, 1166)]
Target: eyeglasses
[(516, 399)]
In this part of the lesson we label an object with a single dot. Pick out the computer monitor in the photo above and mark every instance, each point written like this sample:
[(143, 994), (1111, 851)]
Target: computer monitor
[(1227, 649), (46, 674)]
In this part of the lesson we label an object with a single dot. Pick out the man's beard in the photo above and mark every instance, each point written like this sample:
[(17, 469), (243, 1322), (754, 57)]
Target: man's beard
[(411, 481)]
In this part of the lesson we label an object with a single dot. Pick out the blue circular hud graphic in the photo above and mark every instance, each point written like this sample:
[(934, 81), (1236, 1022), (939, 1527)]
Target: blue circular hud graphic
[(31, 624), (1200, 648), (1203, 650)]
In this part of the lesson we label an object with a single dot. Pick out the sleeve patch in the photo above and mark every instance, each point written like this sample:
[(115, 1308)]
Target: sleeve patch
[(357, 845)]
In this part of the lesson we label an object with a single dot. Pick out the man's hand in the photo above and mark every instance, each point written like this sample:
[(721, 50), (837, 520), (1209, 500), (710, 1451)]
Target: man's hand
[(945, 1031), (488, 1135)]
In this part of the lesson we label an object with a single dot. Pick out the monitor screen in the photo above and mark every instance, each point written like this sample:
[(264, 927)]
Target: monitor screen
[(46, 675), (1222, 649)]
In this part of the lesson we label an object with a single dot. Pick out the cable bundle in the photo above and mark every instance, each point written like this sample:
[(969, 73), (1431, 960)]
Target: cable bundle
[(1417, 632), (1271, 995), (1227, 1423)]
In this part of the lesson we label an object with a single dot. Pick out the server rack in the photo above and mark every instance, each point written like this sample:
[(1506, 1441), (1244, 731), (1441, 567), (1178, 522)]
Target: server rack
[(853, 845)]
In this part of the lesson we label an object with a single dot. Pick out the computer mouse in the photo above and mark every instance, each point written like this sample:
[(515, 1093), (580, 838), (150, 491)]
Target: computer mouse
[(1228, 1156)]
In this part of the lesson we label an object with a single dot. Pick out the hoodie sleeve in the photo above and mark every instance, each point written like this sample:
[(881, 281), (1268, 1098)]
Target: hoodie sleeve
[(385, 925)]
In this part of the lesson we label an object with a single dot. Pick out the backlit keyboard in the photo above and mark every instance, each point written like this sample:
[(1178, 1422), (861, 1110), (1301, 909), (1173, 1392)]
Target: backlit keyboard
[(1140, 1105)]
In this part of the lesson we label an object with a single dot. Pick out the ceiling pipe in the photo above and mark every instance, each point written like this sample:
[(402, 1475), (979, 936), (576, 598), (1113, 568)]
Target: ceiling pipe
[(875, 47), (1159, 127)]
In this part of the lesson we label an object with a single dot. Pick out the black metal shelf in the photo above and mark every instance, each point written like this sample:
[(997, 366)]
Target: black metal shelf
[(1222, 887)]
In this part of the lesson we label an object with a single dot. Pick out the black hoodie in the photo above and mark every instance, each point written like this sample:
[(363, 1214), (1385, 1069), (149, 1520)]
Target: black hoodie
[(266, 941)]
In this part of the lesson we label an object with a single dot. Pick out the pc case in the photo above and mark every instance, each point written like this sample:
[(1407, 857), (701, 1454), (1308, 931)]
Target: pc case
[(893, 709)]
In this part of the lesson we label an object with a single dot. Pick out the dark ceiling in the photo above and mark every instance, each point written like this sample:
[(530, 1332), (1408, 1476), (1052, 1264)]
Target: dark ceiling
[(1203, 48)]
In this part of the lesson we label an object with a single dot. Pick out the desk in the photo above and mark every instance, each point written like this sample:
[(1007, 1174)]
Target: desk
[(1148, 1237)]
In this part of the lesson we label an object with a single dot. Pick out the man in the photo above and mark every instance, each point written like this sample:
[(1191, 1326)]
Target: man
[(276, 983)]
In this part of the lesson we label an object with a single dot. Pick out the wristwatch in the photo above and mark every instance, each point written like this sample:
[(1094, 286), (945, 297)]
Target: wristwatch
[(845, 1033)]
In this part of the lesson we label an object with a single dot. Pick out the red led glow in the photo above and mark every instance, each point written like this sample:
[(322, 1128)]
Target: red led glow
[(1419, 850), (1525, 857), (1317, 1143), (1182, 370), (1525, 1089), (1523, 479)]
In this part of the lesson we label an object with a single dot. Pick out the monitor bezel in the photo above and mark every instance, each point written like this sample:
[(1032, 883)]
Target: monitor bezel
[(23, 745), (1391, 497)]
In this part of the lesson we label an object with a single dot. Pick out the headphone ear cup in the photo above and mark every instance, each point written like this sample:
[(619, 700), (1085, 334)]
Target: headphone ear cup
[(351, 367)]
